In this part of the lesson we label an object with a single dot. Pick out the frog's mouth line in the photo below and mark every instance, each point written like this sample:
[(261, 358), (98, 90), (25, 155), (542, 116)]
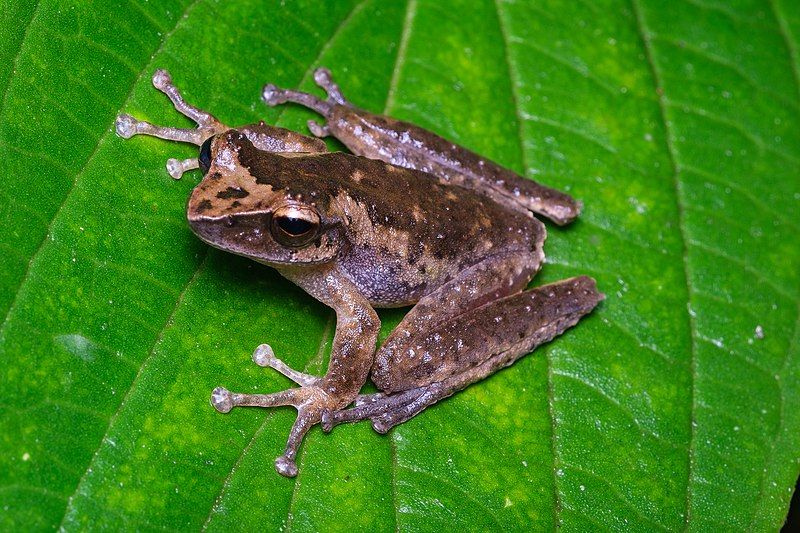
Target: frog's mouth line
[(245, 240)]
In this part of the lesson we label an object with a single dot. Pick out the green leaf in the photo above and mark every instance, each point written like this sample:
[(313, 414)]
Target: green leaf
[(676, 405)]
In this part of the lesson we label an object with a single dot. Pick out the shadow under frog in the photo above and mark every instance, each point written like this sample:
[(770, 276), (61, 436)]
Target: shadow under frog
[(410, 219)]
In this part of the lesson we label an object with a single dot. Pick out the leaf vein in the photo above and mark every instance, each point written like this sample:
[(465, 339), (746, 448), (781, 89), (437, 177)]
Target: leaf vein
[(79, 174), (133, 385), (646, 39), (648, 432), (733, 67), (478, 503), (760, 276), (744, 192), (628, 333), (18, 54), (514, 82), (619, 495), (741, 129)]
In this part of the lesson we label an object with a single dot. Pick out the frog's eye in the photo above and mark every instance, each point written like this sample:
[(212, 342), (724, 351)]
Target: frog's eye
[(294, 225), (204, 159)]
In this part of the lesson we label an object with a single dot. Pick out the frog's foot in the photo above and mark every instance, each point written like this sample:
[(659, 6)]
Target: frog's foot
[(310, 402), (273, 96), (264, 356), (323, 78), (317, 129), (207, 124), (385, 411)]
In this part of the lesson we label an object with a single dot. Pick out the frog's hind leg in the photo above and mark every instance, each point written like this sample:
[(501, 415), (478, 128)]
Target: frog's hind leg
[(324, 79), (272, 96), (494, 335), (207, 124)]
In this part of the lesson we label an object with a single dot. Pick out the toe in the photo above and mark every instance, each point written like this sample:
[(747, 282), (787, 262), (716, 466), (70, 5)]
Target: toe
[(221, 399), (263, 355), (285, 466)]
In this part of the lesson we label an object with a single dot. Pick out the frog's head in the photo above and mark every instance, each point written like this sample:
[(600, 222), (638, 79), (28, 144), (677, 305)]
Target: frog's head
[(254, 203)]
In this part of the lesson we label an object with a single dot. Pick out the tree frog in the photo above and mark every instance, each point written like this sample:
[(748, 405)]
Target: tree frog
[(407, 219)]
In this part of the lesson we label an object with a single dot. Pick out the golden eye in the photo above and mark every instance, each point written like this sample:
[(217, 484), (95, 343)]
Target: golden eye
[(294, 225)]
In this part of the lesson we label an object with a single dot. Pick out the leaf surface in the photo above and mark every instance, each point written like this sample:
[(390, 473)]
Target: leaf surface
[(675, 405)]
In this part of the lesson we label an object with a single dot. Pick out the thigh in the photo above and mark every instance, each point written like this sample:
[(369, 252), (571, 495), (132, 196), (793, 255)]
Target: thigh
[(467, 347)]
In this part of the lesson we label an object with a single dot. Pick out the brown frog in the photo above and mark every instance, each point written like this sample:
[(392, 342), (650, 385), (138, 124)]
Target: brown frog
[(411, 219)]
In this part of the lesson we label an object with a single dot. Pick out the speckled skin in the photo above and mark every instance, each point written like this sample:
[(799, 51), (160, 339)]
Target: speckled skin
[(367, 233), (409, 146)]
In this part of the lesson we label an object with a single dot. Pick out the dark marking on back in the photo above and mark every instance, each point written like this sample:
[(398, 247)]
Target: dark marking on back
[(232, 192), (444, 217)]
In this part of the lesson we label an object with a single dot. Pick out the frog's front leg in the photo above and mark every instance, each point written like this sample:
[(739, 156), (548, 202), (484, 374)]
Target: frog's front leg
[(207, 124), (352, 354), (474, 345), (264, 137)]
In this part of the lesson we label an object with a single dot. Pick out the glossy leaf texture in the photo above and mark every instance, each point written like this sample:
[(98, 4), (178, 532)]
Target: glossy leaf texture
[(675, 406)]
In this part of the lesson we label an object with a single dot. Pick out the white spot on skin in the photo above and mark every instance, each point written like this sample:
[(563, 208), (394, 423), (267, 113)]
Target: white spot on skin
[(26, 456), (508, 502), (225, 158), (759, 332)]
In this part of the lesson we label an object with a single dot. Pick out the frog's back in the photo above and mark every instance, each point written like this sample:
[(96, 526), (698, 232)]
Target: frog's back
[(406, 232)]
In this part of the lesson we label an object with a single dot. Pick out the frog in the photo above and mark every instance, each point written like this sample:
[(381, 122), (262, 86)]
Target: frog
[(407, 219)]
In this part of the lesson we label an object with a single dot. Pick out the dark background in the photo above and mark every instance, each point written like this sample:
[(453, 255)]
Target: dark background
[(793, 520)]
